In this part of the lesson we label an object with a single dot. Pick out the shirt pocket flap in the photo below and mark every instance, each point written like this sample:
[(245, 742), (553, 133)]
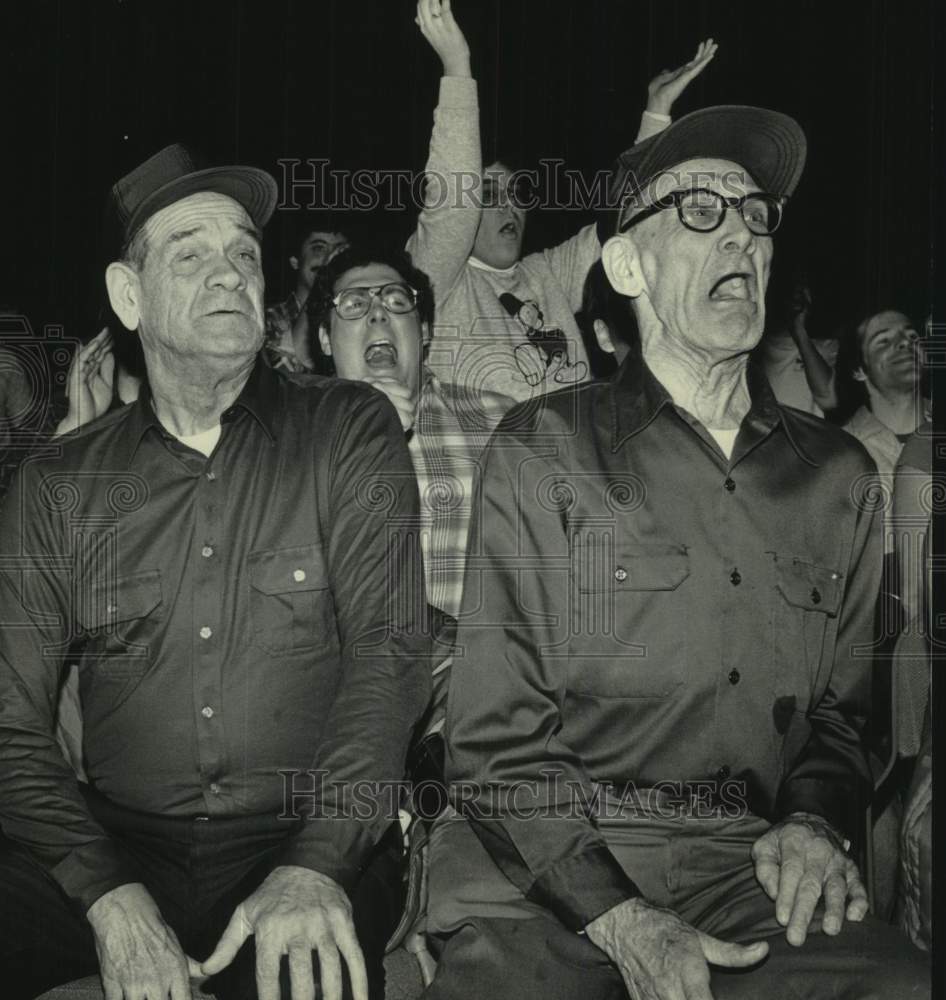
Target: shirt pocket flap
[(603, 568), (810, 587), (106, 603), (288, 571)]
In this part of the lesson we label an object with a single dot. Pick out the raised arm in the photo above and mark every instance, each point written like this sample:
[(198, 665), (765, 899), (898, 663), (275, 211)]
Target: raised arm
[(446, 227)]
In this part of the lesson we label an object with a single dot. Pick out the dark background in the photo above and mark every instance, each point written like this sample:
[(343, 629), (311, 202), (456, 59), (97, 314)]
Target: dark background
[(95, 87)]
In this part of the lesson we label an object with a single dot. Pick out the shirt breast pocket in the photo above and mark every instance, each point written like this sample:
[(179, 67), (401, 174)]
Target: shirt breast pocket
[(119, 621), (628, 636), (290, 600), (805, 620)]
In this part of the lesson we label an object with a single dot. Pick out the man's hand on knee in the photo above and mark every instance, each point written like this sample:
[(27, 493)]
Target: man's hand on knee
[(798, 862), (139, 955), (660, 956), (294, 912)]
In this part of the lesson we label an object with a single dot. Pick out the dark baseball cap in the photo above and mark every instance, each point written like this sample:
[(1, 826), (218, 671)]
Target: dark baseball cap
[(769, 144), (174, 173)]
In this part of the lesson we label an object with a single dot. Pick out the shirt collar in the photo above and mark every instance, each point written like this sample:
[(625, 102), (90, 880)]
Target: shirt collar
[(637, 397), (259, 397), (506, 271)]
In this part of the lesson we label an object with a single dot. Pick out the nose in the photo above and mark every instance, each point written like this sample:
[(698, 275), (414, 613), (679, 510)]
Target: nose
[(376, 311), (225, 274), (734, 235)]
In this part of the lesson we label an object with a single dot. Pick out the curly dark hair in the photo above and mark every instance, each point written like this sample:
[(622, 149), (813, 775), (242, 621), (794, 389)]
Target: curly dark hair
[(319, 305)]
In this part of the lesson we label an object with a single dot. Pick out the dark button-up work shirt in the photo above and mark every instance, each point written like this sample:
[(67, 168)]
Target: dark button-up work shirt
[(241, 620), (639, 609)]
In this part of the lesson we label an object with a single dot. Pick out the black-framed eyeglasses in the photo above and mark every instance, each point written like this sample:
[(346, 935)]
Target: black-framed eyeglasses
[(396, 297), (703, 210)]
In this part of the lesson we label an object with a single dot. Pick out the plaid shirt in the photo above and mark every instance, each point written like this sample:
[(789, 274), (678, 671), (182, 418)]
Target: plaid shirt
[(453, 424), (278, 348)]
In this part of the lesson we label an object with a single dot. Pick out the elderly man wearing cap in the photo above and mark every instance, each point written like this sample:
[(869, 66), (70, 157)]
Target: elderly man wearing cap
[(247, 665), (655, 714)]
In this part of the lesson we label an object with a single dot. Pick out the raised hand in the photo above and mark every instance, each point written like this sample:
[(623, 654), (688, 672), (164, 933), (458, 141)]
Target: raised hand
[(437, 24), (800, 861), (668, 85), (139, 955), (294, 912), (89, 382), (660, 956)]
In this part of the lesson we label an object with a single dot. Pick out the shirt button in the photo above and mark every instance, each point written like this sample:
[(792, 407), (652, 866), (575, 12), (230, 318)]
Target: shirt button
[(734, 676), (722, 774), (207, 551), (210, 476), (816, 596), (111, 608), (206, 633), (298, 575), (214, 788), (208, 713), (620, 574), (729, 484), (735, 578)]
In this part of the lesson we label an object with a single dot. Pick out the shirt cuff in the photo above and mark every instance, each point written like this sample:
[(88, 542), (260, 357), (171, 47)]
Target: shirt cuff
[(89, 872), (838, 806), (657, 117), (582, 887), (336, 847)]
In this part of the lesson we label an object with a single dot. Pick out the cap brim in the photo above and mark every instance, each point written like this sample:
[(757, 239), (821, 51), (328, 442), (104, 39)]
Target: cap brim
[(254, 189), (771, 146)]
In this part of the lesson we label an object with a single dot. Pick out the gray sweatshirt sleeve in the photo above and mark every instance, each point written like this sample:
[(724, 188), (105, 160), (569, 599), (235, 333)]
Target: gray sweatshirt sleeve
[(446, 227)]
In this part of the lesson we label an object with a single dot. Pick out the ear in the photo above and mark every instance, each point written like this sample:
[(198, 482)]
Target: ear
[(124, 293), (621, 259), (603, 336), (325, 342), (294, 262)]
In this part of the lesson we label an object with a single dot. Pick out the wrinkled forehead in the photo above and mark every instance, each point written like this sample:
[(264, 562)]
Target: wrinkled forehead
[(889, 319), (726, 177), (201, 212)]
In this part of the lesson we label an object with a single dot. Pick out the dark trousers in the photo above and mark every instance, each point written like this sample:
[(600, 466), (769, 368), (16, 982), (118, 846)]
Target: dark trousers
[(198, 871), (703, 871)]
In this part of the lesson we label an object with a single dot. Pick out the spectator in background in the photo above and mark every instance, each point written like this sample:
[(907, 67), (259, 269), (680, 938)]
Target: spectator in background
[(318, 239), (373, 310), (16, 403), (883, 361), (504, 322), (607, 323), (800, 369)]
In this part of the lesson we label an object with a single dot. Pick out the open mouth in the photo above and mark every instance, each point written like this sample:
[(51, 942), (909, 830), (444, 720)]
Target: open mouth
[(381, 354), (733, 287)]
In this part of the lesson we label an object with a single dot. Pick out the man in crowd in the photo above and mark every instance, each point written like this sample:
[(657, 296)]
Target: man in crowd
[(246, 617), (885, 358), (505, 323), (654, 725), (317, 241)]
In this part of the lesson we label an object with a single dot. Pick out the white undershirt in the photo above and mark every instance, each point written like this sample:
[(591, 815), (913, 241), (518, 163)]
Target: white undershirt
[(204, 442), (724, 438)]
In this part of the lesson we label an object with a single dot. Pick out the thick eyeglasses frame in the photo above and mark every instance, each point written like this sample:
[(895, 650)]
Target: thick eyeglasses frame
[(376, 292), (676, 198)]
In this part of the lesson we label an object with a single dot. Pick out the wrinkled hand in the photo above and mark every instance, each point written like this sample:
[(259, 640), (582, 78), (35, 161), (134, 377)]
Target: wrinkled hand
[(139, 955), (660, 956), (294, 912), (89, 382), (799, 861), (437, 24), (402, 398), (667, 86)]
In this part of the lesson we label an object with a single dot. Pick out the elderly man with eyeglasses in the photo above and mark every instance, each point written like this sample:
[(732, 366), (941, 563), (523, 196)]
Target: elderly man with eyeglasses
[(654, 725)]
